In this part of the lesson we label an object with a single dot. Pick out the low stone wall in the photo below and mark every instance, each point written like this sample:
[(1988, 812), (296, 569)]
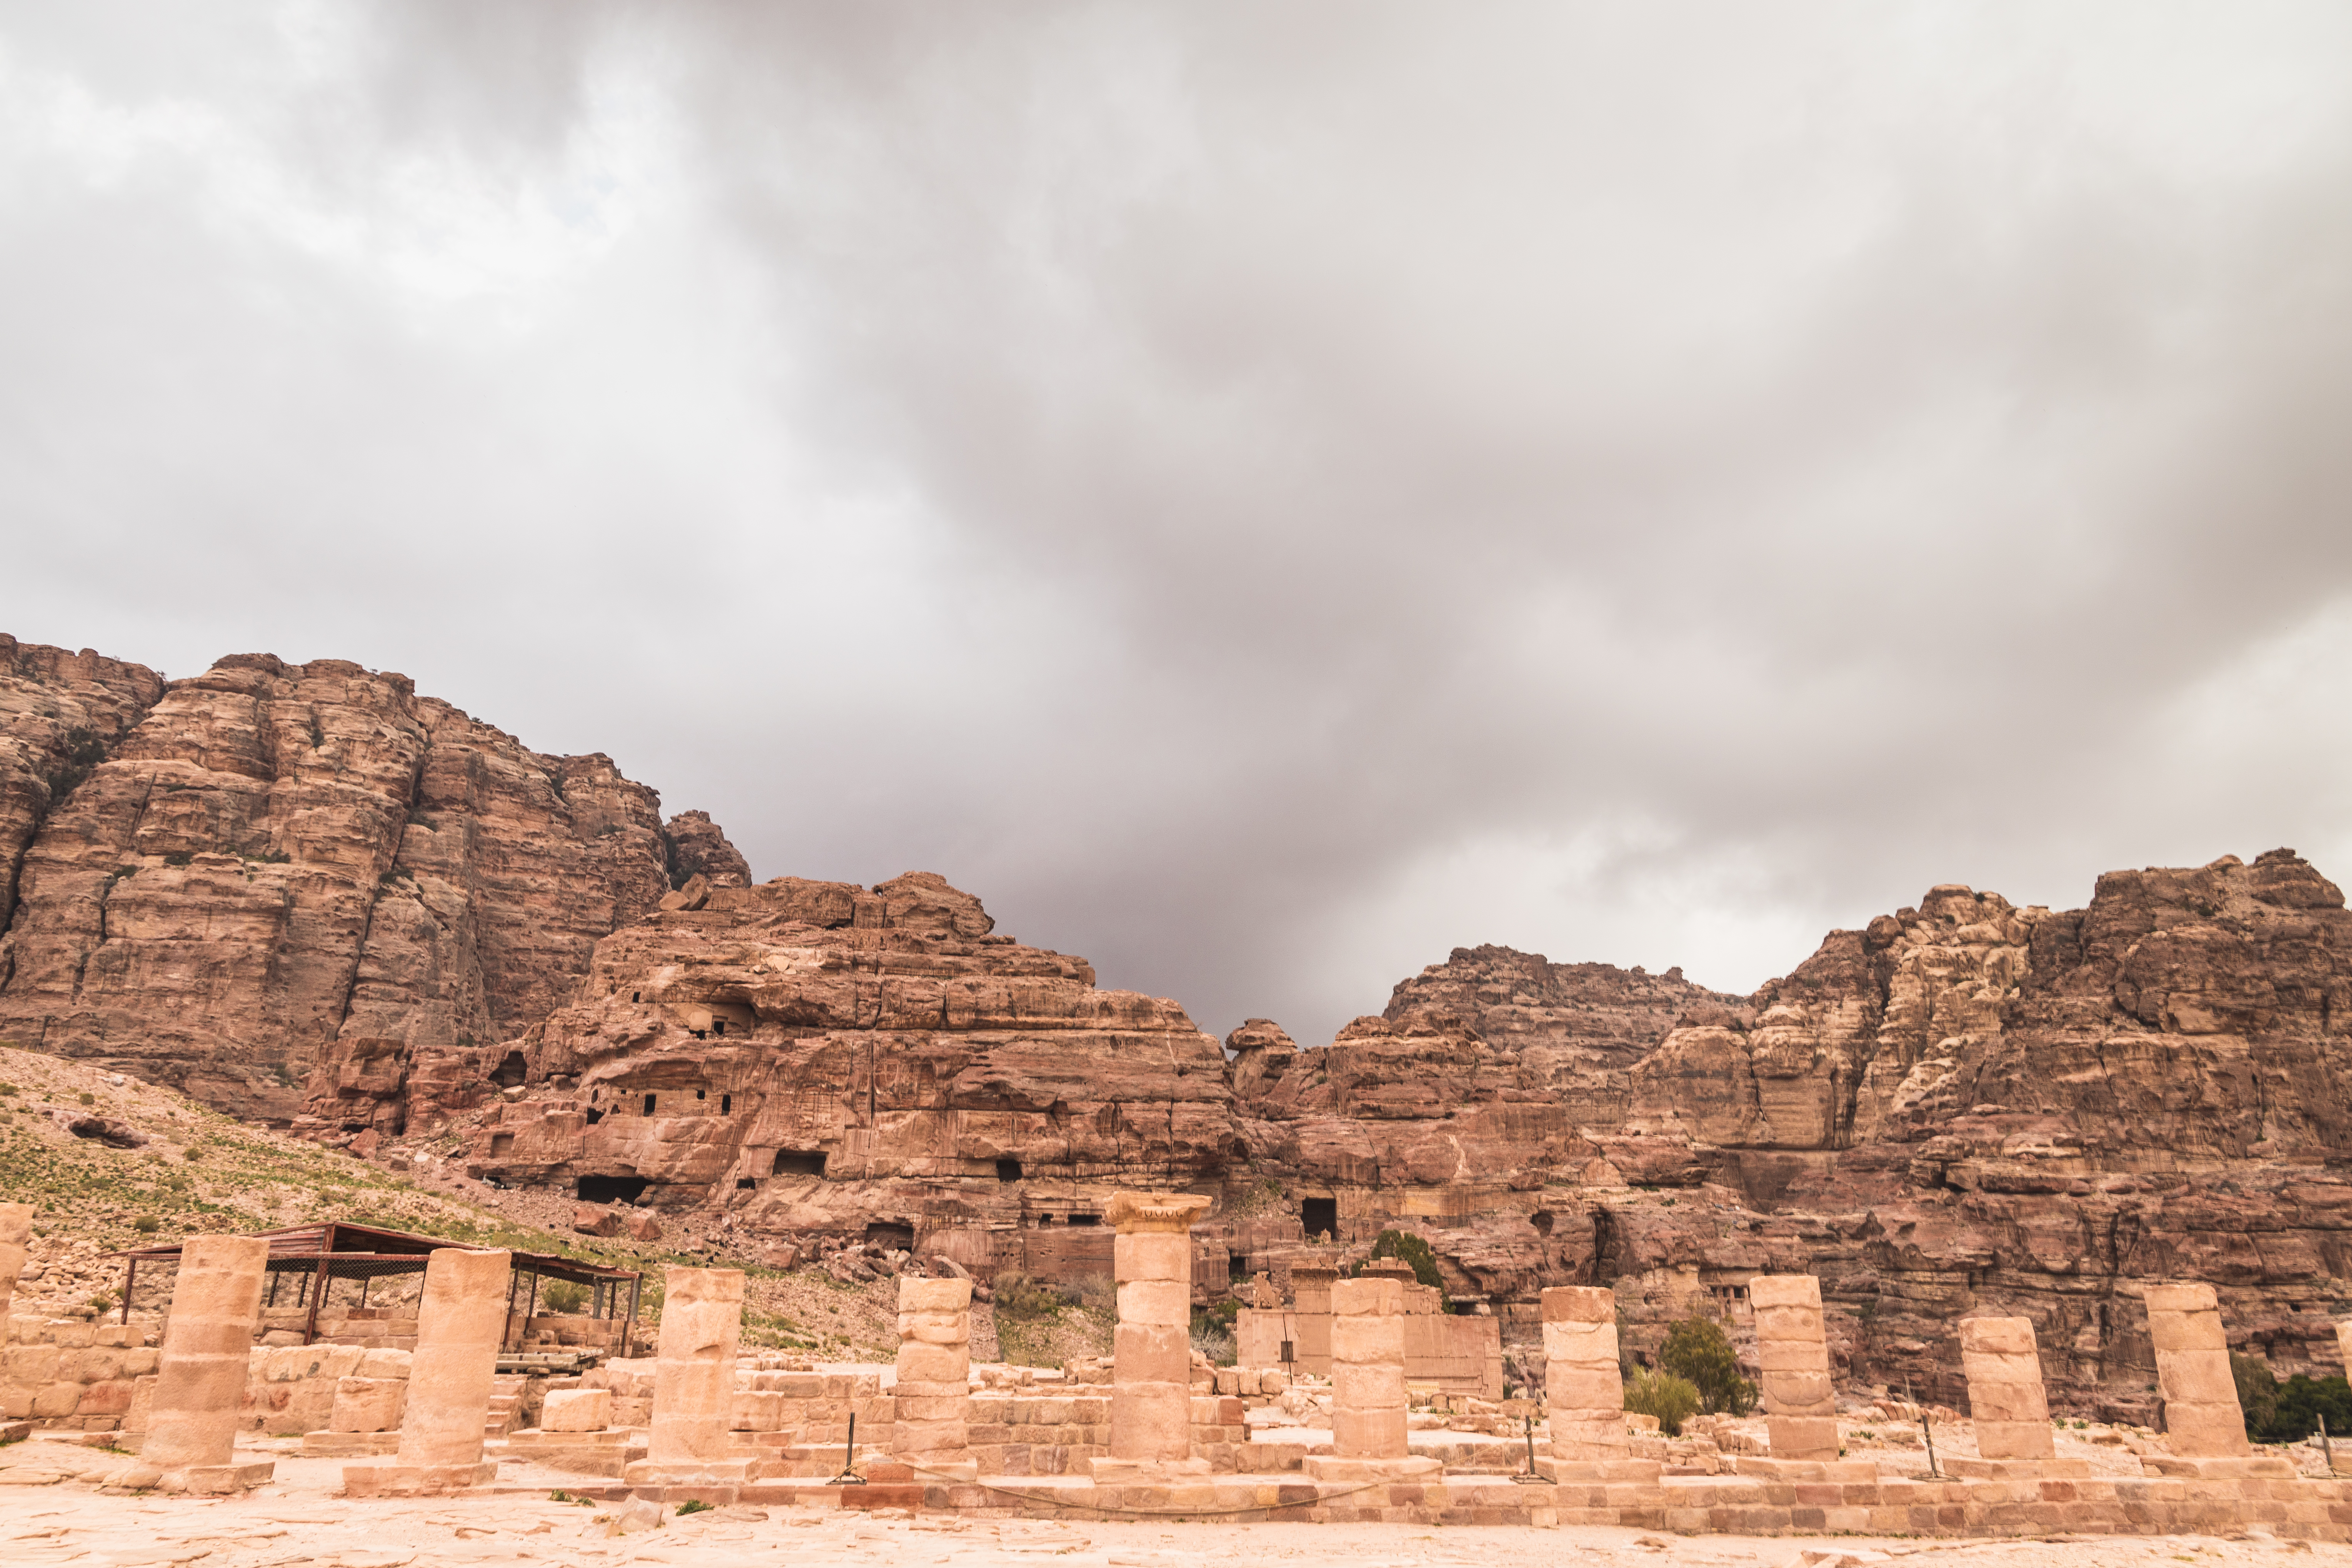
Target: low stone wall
[(72, 1372), (290, 1389), (1457, 1355)]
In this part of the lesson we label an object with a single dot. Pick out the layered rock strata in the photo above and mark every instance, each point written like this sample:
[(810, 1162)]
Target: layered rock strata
[(274, 884)]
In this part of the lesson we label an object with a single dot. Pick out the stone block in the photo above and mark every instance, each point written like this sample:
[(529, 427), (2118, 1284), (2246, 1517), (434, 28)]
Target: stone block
[(368, 1404), (1798, 1392), (2014, 1403), (1593, 1304), (576, 1410), (1766, 1291), (2029, 1439), (1798, 1356), (2202, 1431), (200, 1381), (460, 1320), (1367, 1298), (1155, 1301), (1802, 1438), (417, 1480), (1357, 1385), (1368, 1339), (2196, 1377), (2189, 1334), (1368, 1434), (950, 1296), (1572, 1388), (1997, 1337), (702, 1318), (2194, 1296), (1576, 1342), (1799, 1323)]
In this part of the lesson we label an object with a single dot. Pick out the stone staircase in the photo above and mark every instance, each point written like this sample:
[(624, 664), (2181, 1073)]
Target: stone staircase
[(505, 1407)]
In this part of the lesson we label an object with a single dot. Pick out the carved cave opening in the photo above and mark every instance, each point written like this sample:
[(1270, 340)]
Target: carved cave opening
[(1316, 1215), (1008, 1170), (594, 1116), (884, 1233), (510, 1072), (649, 1105), (745, 1184), (612, 1189), (798, 1162)]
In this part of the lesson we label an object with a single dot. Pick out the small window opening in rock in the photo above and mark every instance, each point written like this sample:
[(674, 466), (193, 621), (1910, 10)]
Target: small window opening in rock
[(882, 1233), (701, 1094), (1085, 1219), (725, 1105), (501, 1145), (1541, 1219), (1237, 1265), (511, 1072), (636, 996), (718, 1026), (1008, 1170), (798, 1162), (649, 1105), (612, 1189), (594, 1116), (1319, 1215), (699, 1033), (744, 1183)]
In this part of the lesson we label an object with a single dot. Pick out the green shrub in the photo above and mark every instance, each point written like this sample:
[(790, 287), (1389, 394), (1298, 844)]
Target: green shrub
[(1698, 1351), (693, 1505), (1407, 1247), (2288, 1412), (563, 1295), (88, 1098), (146, 1225), (1671, 1399)]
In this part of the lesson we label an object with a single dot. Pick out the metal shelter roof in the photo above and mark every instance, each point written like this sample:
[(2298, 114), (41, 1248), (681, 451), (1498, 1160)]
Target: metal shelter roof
[(351, 1250)]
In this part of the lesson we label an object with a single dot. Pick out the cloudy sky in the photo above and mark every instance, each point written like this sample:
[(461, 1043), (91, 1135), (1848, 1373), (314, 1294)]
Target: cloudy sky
[(1262, 493)]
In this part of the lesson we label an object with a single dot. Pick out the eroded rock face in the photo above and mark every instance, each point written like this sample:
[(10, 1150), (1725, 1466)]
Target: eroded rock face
[(275, 882), (818, 1056), (60, 714)]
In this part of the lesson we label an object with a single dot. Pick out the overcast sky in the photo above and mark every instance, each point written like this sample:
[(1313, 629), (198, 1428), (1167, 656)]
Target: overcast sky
[(1263, 494)]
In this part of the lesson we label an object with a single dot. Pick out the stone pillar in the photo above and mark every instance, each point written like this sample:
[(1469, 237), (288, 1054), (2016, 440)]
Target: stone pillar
[(1368, 1369), (1151, 1364), (2344, 1344), (1582, 1386), (694, 1387), (15, 1231), (200, 1376), (1799, 1405), (2005, 1398), (934, 1391), (459, 1323), (2201, 1415)]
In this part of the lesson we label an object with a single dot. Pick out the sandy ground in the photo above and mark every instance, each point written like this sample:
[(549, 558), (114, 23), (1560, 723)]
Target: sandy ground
[(299, 1521)]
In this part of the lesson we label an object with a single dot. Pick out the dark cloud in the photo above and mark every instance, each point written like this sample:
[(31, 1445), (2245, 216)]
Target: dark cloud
[(1263, 494)]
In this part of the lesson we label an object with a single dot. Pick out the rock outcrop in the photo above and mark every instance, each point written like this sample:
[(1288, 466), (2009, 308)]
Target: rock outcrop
[(822, 1056), (272, 884)]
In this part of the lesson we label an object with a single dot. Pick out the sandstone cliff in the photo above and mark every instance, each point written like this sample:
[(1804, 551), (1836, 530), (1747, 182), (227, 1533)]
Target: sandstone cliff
[(272, 881)]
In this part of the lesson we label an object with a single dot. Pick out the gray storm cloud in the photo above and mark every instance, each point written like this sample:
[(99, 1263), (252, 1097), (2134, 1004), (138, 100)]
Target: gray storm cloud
[(1262, 494)]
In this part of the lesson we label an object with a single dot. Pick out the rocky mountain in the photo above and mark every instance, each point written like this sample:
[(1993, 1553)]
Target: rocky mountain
[(229, 882), (308, 895)]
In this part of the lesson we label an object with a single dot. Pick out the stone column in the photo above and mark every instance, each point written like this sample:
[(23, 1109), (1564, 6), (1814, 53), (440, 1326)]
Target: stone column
[(459, 1325), (934, 1391), (1151, 1363), (2005, 1398), (1582, 1386), (1799, 1405), (15, 1231), (2201, 1415), (694, 1387), (1368, 1369), (200, 1376), (2344, 1344)]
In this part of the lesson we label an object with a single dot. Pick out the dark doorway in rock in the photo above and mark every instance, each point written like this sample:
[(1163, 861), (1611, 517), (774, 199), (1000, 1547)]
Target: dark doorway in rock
[(1237, 1265), (744, 1183), (649, 1105), (594, 1116), (1008, 1170), (612, 1189), (636, 996), (511, 1072), (882, 1233), (1318, 1216), (725, 1105), (1085, 1219), (501, 1145), (798, 1162)]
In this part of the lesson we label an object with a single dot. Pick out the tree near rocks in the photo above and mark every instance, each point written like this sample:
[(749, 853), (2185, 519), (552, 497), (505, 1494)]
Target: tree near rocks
[(1698, 1351)]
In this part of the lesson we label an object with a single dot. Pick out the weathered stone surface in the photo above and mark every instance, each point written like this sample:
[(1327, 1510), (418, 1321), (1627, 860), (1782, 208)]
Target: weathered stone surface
[(276, 884)]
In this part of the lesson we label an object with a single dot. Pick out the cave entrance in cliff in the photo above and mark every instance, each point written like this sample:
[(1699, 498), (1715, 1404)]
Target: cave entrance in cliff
[(612, 1189), (511, 1072), (898, 1238), (798, 1163), (1316, 1215), (1008, 1170)]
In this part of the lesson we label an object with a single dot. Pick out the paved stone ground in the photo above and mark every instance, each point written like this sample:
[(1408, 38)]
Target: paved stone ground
[(49, 1516)]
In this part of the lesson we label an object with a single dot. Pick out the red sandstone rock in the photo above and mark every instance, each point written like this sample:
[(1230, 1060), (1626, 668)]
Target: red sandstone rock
[(281, 882), (698, 849), (641, 1227), (590, 1220)]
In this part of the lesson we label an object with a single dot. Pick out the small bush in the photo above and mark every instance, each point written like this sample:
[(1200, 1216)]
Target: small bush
[(2289, 1412), (1698, 1351), (146, 1225), (88, 1098), (693, 1505), (1672, 1400), (563, 1295), (1211, 1339)]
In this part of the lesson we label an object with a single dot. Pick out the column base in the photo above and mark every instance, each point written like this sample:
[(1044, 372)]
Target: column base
[(216, 1480), (1810, 1440), (417, 1480), (350, 1445), (1334, 1468), (715, 1481), (2248, 1469), (1969, 1469), (1645, 1472)]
